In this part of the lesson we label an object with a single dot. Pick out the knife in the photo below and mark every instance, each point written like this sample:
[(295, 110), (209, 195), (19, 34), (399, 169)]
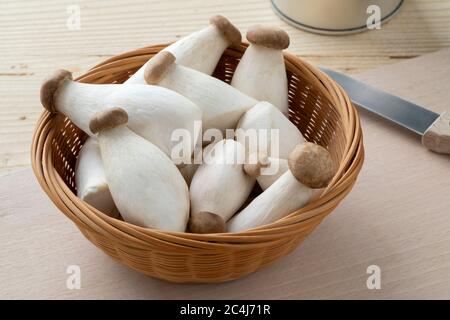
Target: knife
[(432, 127)]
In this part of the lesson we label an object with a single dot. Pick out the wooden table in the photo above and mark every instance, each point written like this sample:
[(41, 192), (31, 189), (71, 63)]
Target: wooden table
[(35, 40)]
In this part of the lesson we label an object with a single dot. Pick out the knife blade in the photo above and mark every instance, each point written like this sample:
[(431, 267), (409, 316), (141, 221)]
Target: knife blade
[(434, 128), (388, 106)]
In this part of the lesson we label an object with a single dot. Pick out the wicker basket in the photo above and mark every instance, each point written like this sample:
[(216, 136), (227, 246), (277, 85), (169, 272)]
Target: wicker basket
[(319, 108)]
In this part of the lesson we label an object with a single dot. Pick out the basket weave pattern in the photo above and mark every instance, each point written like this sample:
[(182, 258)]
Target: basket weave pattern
[(318, 107)]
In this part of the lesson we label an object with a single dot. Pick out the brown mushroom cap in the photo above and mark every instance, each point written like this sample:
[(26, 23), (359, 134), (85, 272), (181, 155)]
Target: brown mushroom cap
[(312, 165), (231, 33), (49, 87), (206, 222), (157, 67), (269, 37), (108, 119), (255, 163)]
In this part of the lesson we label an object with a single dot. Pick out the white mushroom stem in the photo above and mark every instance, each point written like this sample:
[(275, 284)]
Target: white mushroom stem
[(272, 172), (90, 179), (265, 129), (261, 73), (154, 112), (219, 187), (265, 169), (146, 186), (310, 166), (221, 104), (187, 171), (200, 50)]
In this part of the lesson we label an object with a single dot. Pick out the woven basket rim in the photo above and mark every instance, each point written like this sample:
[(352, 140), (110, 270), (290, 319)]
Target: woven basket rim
[(86, 215)]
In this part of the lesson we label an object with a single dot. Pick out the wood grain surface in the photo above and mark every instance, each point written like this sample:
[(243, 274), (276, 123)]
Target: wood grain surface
[(397, 218), (35, 40)]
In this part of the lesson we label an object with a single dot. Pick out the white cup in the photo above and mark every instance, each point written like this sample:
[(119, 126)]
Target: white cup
[(333, 16)]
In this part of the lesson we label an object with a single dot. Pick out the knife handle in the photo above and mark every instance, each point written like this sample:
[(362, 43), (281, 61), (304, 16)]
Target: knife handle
[(437, 136)]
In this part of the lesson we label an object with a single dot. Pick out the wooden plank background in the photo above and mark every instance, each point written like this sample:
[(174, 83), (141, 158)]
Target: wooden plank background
[(35, 41)]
